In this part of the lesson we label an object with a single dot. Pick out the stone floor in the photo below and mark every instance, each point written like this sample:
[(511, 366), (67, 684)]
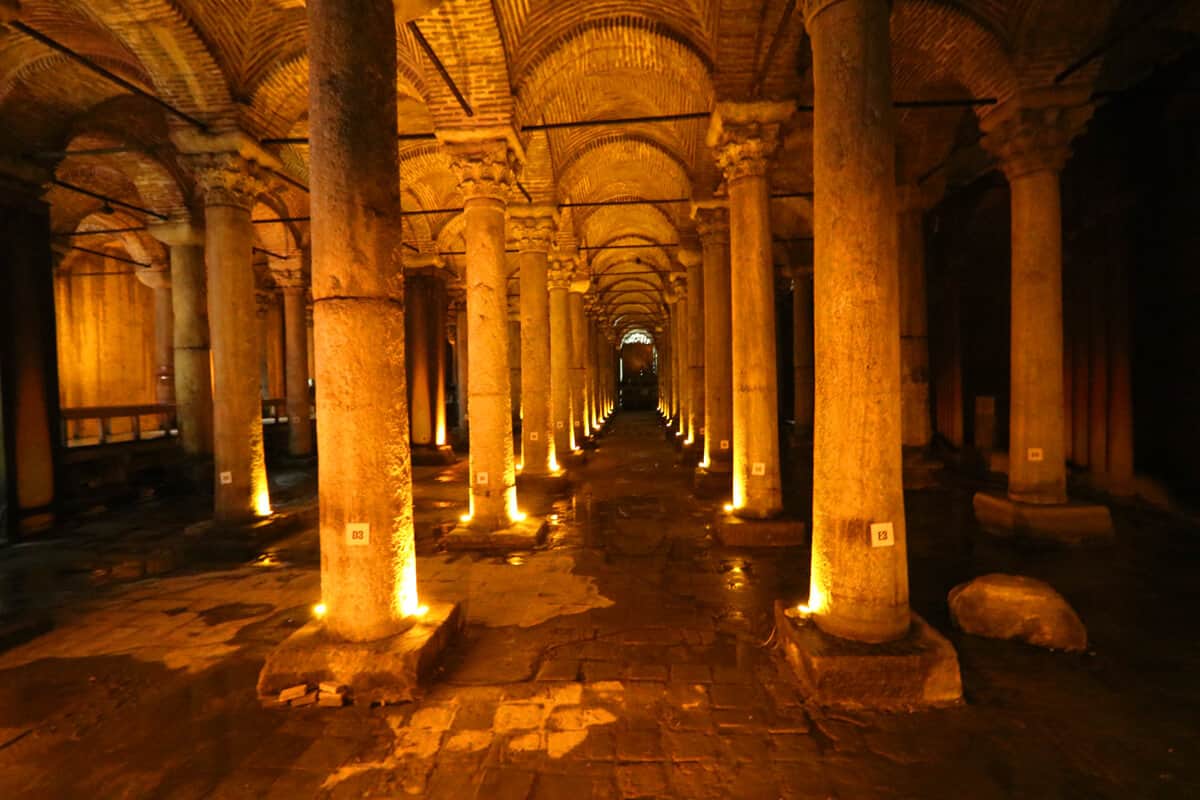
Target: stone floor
[(631, 657)]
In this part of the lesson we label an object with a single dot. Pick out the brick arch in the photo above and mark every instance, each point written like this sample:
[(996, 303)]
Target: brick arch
[(584, 173), (466, 36), (158, 184), (1048, 36)]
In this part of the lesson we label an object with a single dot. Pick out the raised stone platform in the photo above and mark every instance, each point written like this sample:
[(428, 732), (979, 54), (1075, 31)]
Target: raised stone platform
[(390, 670), (1066, 523), (918, 671), (522, 535), (735, 531), (435, 455), (707, 482)]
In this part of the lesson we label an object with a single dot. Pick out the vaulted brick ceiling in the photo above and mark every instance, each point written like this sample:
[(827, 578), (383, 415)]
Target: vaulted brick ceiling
[(242, 63)]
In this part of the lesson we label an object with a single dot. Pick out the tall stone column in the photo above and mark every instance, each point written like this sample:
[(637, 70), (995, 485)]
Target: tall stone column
[(858, 590), (1030, 136), (744, 136), (531, 228), (440, 298), (159, 280), (485, 168), (804, 376), (277, 385), (712, 223), (559, 281), (230, 183), (682, 357), (368, 558), (418, 286), (578, 320), (189, 305), (916, 417), (514, 362), (694, 262), (293, 284), (462, 359)]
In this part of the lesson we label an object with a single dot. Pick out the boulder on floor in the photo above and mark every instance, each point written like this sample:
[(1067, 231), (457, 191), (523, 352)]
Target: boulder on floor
[(1015, 607)]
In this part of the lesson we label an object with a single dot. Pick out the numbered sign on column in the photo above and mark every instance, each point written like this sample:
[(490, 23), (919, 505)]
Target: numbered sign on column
[(358, 534), (883, 534)]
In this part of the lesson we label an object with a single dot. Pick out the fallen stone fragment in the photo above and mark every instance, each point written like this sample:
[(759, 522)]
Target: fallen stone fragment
[(1003, 606), (331, 699), (293, 692), (306, 700), (330, 687)]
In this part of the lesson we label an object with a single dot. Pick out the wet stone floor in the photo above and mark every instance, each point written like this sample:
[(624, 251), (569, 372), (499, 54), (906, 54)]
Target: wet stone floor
[(631, 657)]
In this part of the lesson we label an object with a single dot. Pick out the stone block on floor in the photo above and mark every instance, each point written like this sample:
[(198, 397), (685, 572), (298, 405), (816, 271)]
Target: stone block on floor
[(1015, 607), (390, 670), (734, 531), (528, 533), (1069, 523), (918, 671)]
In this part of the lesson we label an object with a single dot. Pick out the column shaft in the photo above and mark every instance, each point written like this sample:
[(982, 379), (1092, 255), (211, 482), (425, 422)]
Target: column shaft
[(193, 358), (560, 367), (437, 341), (695, 323), (164, 346), (578, 373), (462, 350), (802, 350), (364, 476), (858, 591), (536, 433), (718, 356), (418, 349), (916, 421), (300, 433)]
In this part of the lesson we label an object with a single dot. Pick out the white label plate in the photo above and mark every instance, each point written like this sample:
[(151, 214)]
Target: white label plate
[(758, 468), (481, 478), (226, 478), (358, 534), (882, 534), (1035, 454)]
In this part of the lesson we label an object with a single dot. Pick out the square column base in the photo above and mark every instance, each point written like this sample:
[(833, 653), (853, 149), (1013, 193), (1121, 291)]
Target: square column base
[(918, 671), (433, 455), (735, 531), (707, 482), (523, 535), (1057, 523), (390, 670)]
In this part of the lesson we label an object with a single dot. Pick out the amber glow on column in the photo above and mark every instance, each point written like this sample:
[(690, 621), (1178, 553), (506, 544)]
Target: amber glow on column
[(262, 502), (407, 603)]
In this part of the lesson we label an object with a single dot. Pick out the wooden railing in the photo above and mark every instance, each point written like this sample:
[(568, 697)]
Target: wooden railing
[(116, 424)]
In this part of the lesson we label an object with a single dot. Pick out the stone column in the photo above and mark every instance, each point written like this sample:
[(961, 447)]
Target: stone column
[(531, 229), (193, 358), (462, 359), (916, 419), (159, 280), (276, 385), (694, 262), (514, 362), (1031, 136), (419, 355), (368, 558), (485, 169), (802, 350), (559, 281), (744, 136), (712, 223), (858, 590), (293, 284), (578, 320), (230, 183), (437, 337), (682, 358)]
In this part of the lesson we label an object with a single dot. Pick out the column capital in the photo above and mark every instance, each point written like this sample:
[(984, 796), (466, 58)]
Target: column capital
[(232, 168), (531, 228), (559, 276), (744, 136), (1032, 131), (288, 273), (178, 232), (263, 300), (156, 277), (712, 220), (486, 161)]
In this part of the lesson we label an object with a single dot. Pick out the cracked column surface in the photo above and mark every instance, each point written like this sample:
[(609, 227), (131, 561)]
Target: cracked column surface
[(858, 591), (578, 322), (485, 166), (1031, 138), (368, 559), (712, 223), (916, 420), (193, 365), (230, 183), (289, 276), (531, 228), (559, 281), (744, 135)]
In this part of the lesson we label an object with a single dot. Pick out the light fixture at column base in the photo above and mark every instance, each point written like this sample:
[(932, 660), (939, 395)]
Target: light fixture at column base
[(735, 531), (427, 455), (389, 670), (523, 535), (918, 671), (1068, 523), (715, 480)]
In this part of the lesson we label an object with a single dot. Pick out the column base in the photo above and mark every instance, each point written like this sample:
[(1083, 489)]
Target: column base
[(549, 484), (918, 671), (712, 481), (245, 540), (1059, 523), (735, 531), (429, 455), (523, 535), (390, 670)]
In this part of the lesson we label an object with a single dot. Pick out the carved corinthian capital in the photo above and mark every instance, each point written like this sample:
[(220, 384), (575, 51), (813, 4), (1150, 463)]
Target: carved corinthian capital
[(744, 136), (485, 169), (531, 228), (1033, 131), (228, 179)]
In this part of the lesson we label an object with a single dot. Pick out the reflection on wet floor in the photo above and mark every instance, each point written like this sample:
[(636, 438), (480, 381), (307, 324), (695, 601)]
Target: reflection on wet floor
[(630, 656)]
